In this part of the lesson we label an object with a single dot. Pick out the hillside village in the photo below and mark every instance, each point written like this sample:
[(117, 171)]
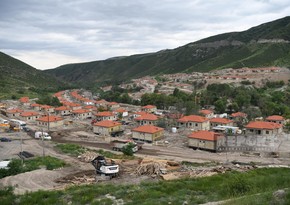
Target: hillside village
[(107, 119)]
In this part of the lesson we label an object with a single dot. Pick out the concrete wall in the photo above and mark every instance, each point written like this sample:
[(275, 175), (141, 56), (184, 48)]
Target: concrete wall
[(195, 125), (106, 130), (51, 124), (147, 136)]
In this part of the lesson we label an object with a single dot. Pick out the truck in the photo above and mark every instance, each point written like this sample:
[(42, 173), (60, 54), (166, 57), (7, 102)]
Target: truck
[(16, 125), (118, 145), (42, 135)]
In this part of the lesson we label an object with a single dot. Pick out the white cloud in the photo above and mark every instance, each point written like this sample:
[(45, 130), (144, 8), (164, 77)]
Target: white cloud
[(50, 33)]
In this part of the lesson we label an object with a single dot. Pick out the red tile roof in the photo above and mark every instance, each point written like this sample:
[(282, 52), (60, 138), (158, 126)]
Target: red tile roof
[(275, 118), (150, 117), (107, 123), (104, 114), (239, 114), (205, 112), (263, 125), (35, 105), (16, 110), (89, 107), (80, 111), (50, 118), (193, 118), (149, 107), (120, 110), (46, 106), (221, 120), (141, 113), (29, 113), (61, 108), (24, 99), (205, 135), (148, 129)]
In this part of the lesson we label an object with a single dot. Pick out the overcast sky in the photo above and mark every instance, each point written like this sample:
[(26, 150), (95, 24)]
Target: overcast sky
[(48, 33)]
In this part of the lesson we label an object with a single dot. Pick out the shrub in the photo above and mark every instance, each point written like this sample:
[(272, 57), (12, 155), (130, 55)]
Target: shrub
[(238, 185)]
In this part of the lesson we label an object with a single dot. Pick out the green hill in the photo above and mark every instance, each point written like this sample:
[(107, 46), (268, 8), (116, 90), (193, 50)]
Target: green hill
[(18, 79), (264, 45)]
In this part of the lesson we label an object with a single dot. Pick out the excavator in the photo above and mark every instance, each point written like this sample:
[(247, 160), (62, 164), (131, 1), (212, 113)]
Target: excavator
[(105, 170)]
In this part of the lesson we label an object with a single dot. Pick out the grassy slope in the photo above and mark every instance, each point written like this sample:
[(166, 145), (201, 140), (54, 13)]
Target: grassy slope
[(15, 75), (251, 187), (191, 57)]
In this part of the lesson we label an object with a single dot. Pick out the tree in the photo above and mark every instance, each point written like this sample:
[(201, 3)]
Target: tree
[(128, 149), (220, 105)]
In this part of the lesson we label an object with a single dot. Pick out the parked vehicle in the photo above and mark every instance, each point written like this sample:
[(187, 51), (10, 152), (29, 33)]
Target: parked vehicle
[(4, 164), (42, 135), (5, 139), (25, 154), (118, 145), (17, 124)]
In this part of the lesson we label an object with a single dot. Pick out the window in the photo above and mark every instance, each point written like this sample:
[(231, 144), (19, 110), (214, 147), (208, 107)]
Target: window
[(196, 124), (267, 132)]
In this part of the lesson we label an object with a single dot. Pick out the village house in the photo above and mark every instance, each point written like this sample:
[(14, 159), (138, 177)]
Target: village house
[(238, 116), (63, 110), (106, 127), (195, 122), (113, 105), (15, 112), (149, 108), (74, 106), (147, 133), (122, 112), (50, 121), (276, 119), (207, 113), (90, 108), (47, 108), (29, 115), (82, 114), (100, 116), (147, 119), (205, 140), (35, 106), (214, 122), (138, 114), (101, 103), (24, 101), (263, 128)]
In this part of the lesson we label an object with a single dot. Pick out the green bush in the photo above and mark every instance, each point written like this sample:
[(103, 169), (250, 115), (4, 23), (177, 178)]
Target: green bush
[(72, 149), (238, 185), (15, 166), (128, 149)]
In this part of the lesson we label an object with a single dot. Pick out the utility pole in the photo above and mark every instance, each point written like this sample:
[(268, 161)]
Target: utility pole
[(42, 136)]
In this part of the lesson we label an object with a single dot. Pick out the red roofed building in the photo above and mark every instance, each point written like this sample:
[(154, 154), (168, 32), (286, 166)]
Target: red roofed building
[(82, 114), (24, 101), (149, 108), (121, 111), (15, 112), (276, 119), (29, 115), (263, 128), (36, 106), (74, 106), (47, 108), (207, 113), (106, 127), (63, 110), (113, 105), (220, 121), (195, 122), (206, 140), (100, 116), (50, 121), (147, 119), (147, 133)]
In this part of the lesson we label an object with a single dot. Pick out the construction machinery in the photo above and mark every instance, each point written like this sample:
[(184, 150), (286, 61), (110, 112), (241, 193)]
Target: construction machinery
[(105, 170)]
